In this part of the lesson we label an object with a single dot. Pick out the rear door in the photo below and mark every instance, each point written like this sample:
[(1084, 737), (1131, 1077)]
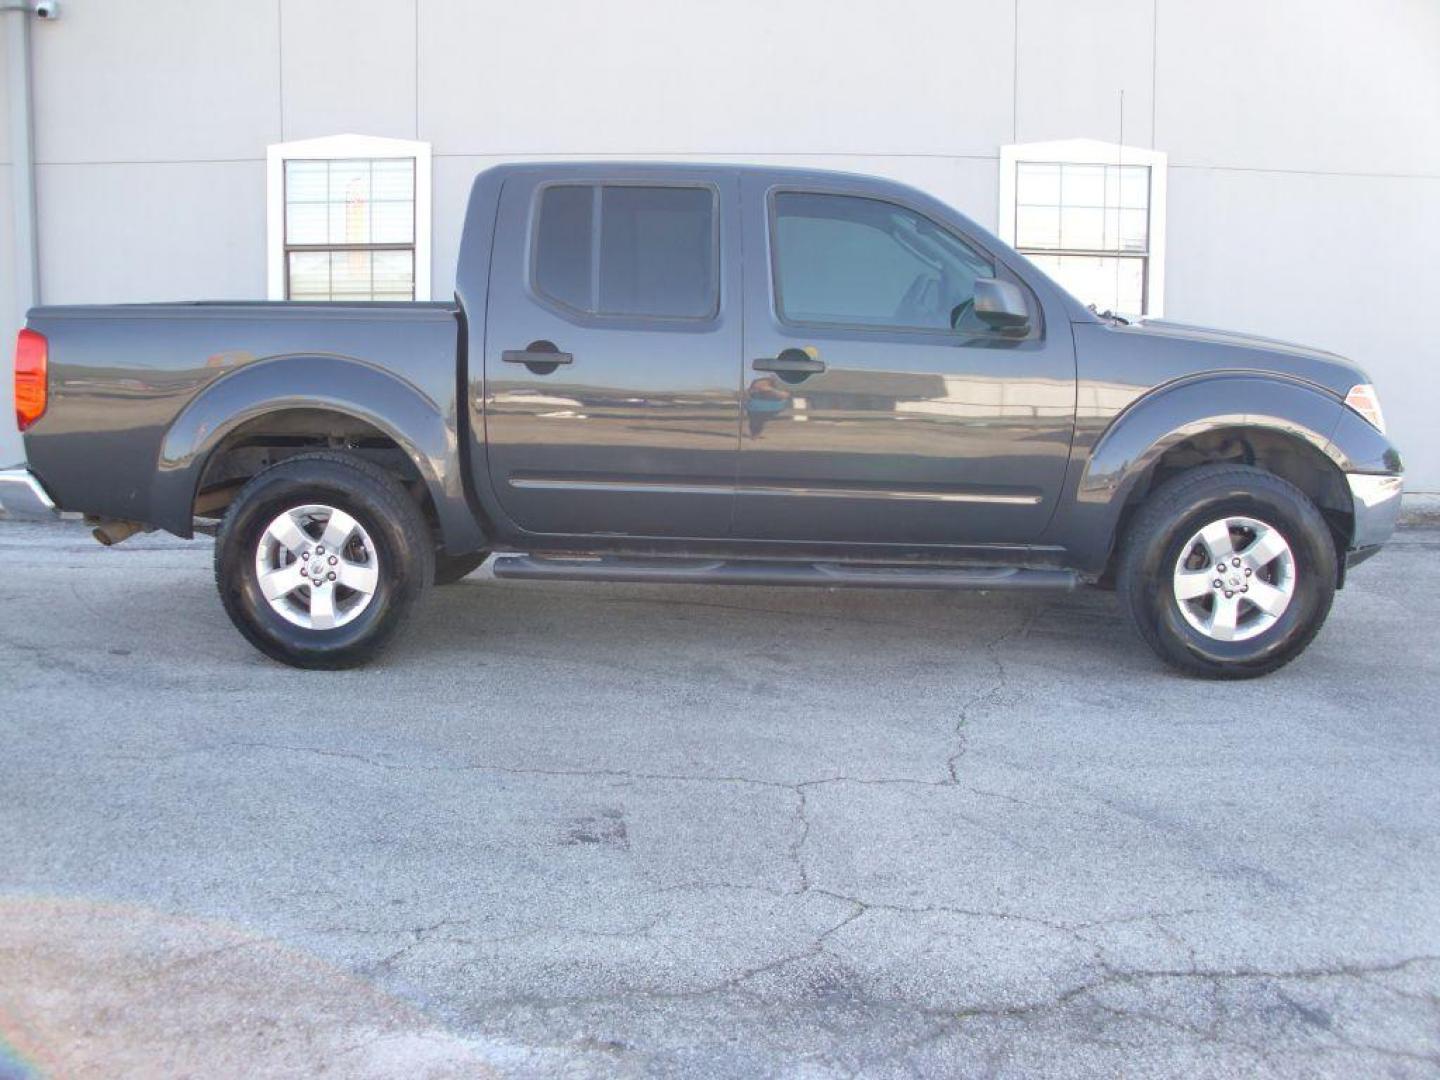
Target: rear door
[(612, 364), (869, 417)]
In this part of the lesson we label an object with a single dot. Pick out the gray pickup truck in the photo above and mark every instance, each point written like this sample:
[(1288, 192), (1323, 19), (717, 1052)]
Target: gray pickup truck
[(657, 373)]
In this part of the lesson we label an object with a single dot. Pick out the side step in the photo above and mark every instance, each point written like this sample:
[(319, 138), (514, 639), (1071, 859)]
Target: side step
[(757, 572)]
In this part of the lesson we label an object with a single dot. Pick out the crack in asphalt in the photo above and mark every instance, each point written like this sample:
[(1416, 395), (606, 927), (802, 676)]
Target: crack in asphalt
[(992, 653)]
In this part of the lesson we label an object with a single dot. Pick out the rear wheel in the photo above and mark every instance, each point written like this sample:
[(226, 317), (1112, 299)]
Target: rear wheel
[(320, 560), (1227, 572)]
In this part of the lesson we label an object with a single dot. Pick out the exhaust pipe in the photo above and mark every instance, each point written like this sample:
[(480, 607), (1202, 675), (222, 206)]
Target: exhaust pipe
[(111, 533)]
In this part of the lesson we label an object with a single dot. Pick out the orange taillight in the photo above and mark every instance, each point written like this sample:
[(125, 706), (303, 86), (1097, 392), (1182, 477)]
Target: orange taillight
[(32, 382)]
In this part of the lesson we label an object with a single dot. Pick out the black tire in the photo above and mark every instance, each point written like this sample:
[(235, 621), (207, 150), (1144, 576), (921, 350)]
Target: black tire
[(1173, 514), (451, 568), (378, 502)]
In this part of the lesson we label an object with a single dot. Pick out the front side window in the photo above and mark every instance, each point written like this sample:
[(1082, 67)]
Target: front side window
[(350, 229), (855, 261), (645, 251)]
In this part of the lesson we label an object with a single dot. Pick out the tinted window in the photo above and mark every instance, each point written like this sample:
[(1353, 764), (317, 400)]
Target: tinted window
[(656, 251), (656, 255), (856, 261), (562, 245)]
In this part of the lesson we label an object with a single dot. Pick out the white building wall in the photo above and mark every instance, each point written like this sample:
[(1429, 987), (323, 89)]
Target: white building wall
[(1305, 172), (1305, 185), (10, 315)]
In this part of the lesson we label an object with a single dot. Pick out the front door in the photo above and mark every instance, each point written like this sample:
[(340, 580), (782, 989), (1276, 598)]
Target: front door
[(612, 355), (878, 408)]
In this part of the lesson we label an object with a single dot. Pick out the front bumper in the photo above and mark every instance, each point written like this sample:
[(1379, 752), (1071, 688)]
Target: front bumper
[(23, 496), (1376, 501)]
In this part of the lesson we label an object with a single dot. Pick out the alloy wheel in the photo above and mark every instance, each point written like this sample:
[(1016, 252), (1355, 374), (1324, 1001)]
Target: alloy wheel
[(317, 567), (1234, 578)]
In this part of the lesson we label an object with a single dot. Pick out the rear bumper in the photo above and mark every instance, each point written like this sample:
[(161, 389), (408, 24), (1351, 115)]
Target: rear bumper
[(1376, 500), (23, 496)]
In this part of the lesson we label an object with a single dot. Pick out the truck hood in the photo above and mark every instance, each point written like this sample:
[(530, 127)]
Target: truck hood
[(1256, 353)]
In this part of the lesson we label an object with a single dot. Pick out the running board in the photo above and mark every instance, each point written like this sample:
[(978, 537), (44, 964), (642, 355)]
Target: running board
[(758, 572)]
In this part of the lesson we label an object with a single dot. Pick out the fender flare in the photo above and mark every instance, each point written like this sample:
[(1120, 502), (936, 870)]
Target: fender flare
[(1135, 439), (308, 381)]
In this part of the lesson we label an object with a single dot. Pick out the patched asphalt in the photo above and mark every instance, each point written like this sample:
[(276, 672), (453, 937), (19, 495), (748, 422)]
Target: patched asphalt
[(617, 830)]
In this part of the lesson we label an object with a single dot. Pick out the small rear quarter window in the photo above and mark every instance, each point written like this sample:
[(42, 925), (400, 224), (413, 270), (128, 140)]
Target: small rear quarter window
[(563, 265)]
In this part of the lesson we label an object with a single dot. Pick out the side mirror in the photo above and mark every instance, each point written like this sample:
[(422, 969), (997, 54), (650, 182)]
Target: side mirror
[(1000, 305)]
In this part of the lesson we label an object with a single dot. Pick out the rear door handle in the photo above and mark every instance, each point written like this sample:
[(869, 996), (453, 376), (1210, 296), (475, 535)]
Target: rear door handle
[(790, 362), (536, 354)]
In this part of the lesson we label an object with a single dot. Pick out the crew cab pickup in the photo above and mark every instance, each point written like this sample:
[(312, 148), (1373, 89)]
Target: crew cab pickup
[(680, 373)]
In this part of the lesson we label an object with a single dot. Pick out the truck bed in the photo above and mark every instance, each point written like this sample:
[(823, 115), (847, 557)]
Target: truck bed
[(127, 418)]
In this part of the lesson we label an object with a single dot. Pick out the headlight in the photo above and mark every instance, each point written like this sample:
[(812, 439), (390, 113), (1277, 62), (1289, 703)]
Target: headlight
[(1363, 399)]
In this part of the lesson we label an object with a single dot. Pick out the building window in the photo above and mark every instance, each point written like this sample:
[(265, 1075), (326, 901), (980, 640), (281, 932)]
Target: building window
[(350, 229), (349, 219), (612, 249), (1091, 215)]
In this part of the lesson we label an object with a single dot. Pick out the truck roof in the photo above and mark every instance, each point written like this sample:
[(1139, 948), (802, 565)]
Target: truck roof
[(606, 169)]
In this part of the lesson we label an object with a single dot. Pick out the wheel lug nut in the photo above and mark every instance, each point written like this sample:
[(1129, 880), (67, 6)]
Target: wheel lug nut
[(1244, 588), (1247, 571), (333, 560), (332, 575), (1228, 594), (1219, 584), (304, 572), (1234, 562), (321, 551), (1219, 568)]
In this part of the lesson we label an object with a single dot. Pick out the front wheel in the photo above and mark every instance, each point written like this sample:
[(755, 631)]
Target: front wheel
[(320, 560), (1227, 572)]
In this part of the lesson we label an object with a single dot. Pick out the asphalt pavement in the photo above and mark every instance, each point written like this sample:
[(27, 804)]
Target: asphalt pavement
[(576, 830)]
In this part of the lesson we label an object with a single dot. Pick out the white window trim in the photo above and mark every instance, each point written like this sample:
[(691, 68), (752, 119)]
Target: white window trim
[(339, 148), (1095, 152)]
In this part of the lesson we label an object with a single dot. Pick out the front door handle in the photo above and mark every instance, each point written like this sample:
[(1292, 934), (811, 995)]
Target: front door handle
[(790, 362), (541, 355)]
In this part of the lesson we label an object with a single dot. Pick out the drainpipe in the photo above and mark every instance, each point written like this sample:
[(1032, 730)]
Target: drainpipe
[(22, 151)]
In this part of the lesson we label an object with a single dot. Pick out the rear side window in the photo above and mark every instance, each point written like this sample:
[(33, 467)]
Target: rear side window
[(628, 250)]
